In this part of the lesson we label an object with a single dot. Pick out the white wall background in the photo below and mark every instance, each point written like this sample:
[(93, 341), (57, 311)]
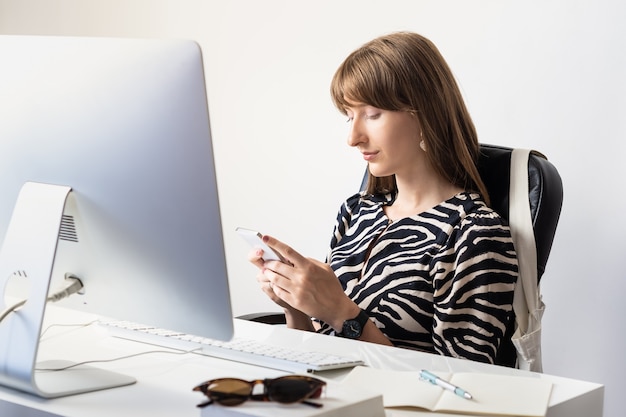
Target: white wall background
[(544, 74)]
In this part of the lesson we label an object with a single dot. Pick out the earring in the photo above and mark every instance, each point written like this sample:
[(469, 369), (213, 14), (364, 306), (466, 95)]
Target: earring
[(423, 145)]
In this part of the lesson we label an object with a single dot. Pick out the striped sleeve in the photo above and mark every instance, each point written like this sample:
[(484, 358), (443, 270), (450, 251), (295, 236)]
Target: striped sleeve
[(473, 283)]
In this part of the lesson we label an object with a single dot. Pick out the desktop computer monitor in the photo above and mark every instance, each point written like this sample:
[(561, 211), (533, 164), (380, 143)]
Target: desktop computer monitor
[(106, 173)]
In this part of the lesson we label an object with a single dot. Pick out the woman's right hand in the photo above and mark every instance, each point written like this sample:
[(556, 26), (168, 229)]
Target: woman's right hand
[(256, 258), (294, 317)]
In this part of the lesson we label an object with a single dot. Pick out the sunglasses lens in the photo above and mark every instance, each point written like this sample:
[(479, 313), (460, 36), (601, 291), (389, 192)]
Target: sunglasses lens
[(293, 389), (229, 391)]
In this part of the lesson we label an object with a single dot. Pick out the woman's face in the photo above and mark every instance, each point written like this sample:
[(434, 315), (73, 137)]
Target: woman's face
[(388, 140)]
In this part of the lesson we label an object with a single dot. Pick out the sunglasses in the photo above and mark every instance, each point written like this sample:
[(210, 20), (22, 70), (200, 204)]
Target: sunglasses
[(285, 389)]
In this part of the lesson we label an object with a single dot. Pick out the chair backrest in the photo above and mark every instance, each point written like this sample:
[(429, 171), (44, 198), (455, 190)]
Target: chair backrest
[(545, 195), (545, 190), (546, 198)]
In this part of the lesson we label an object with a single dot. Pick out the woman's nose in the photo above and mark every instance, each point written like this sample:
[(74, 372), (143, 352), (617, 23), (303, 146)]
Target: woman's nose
[(355, 133)]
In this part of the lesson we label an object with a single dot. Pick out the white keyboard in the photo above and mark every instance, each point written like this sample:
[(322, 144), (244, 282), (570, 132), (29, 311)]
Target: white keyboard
[(240, 350)]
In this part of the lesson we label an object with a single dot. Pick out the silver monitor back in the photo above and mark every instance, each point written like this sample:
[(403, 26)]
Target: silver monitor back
[(125, 124)]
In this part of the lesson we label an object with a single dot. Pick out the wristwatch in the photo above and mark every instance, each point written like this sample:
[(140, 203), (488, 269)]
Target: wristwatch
[(353, 328)]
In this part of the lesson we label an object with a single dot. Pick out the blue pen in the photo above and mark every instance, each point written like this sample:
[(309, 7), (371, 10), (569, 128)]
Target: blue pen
[(435, 380)]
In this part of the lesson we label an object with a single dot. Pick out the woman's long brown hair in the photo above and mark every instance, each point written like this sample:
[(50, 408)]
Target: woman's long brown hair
[(404, 71)]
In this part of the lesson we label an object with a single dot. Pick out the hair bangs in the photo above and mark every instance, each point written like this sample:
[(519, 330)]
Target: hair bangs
[(364, 78)]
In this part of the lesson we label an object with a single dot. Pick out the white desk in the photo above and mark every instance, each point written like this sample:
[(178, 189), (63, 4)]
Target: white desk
[(165, 380)]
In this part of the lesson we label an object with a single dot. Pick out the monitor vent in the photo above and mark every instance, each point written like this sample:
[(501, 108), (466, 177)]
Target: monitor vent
[(68, 229)]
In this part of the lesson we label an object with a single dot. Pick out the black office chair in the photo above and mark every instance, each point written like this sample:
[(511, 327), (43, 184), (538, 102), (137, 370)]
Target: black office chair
[(545, 196)]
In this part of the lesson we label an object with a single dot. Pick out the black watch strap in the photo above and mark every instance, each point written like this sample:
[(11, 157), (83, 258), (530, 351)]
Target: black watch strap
[(353, 328)]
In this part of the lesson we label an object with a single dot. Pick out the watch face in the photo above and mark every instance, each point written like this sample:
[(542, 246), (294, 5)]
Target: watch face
[(352, 329)]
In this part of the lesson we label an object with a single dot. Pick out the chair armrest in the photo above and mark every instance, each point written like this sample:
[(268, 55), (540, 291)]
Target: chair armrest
[(265, 317)]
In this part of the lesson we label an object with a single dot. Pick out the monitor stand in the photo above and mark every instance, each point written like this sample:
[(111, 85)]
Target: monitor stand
[(28, 251)]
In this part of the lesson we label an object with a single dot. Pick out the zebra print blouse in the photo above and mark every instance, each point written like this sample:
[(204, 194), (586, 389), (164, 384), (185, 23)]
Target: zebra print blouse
[(441, 281)]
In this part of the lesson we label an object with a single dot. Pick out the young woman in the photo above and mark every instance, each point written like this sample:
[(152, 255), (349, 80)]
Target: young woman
[(418, 260)]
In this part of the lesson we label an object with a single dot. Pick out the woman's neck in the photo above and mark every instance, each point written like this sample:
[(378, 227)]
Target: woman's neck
[(419, 195)]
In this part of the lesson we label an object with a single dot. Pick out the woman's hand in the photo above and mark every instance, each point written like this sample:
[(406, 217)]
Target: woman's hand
[(307, 285), (307, 288), (294, 318), (256, 258)]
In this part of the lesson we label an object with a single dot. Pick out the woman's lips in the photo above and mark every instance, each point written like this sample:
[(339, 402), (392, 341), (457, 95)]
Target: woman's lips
[(368, 156)]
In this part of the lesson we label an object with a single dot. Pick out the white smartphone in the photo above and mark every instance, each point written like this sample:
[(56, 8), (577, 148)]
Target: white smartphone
[(255, 239)]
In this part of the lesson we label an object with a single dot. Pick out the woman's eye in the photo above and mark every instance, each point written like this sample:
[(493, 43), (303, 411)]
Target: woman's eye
[(372, 116)]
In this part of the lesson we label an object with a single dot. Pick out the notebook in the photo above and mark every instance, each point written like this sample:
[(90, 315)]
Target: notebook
[(493, 394)]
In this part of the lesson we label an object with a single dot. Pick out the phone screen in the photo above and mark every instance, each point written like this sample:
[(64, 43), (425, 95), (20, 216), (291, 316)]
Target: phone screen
[(255, 239)]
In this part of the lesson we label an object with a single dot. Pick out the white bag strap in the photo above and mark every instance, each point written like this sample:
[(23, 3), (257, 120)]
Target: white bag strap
[(527, 303)]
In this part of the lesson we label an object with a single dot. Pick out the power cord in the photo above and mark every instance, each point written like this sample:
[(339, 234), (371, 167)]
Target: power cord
[(119, 358), (75, 286), (171, 351)]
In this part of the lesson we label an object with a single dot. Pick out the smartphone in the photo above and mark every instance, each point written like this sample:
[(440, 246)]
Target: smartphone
[(255, 239)]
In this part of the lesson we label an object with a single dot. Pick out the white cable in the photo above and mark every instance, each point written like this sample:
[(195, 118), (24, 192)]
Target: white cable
[(10, 309), (73, 365), (75, 286)]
